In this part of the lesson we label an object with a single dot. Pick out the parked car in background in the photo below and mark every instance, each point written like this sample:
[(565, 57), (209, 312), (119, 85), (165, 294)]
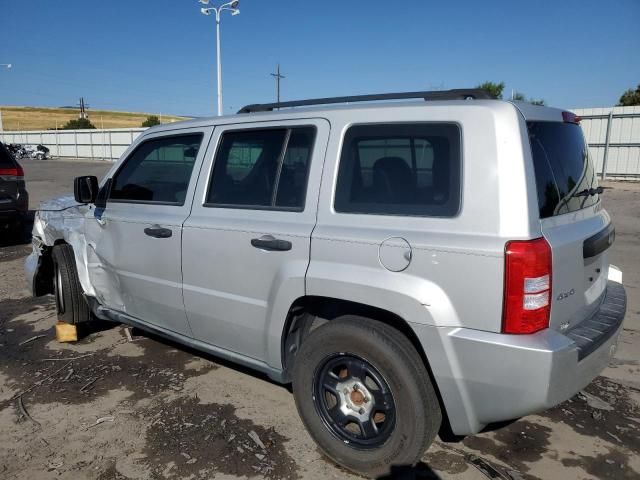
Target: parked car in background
[(39, 152), (14, 199), (405, 265)]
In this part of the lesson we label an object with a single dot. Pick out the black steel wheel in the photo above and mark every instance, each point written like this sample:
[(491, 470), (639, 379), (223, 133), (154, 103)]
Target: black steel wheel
[(365, 396), (354, 401)]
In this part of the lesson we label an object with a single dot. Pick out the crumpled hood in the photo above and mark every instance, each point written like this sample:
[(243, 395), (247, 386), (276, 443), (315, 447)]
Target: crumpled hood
[(57, 203), (59, 218)]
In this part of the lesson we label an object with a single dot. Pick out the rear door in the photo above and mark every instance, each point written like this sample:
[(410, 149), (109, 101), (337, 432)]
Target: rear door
[(573, 221), (246, 244)]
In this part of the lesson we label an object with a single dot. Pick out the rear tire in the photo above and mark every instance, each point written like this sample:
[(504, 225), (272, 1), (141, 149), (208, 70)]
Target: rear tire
[(364, 395), (71, 306)]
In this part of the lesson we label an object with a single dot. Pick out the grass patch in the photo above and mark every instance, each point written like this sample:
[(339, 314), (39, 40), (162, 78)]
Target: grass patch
[(34, 118)]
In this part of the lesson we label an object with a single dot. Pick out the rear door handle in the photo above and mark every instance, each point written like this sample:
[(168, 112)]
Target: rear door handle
[(158, 232), (270, 243)]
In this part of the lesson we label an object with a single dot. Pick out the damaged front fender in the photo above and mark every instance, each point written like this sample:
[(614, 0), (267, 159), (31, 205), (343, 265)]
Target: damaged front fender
[(59, 220)]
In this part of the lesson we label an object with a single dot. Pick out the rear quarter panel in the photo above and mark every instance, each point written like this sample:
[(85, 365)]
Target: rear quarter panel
[(455, 277)]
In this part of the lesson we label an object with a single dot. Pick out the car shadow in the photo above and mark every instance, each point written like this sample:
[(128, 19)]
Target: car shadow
[(96, 326), (421, 471)]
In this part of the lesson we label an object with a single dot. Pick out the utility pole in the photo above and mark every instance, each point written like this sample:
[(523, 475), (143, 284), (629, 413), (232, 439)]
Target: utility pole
[(83, 108), (277, 76)]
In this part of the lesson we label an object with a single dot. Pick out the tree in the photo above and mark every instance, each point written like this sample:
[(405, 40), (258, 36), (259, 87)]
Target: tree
[(521, 97), (151, 121), (630, 97), (78, 124), (494, 89)]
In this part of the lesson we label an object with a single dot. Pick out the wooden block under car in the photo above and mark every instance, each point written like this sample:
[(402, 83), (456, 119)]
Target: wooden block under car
[(65, 332)]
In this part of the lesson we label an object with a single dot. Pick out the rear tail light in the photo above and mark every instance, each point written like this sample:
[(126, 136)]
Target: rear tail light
[(527, 286), (569, 117), (16, 171)]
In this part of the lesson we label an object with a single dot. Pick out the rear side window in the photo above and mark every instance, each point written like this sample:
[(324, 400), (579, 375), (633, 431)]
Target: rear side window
[(562, 166), (265, 168), (6, 160), (158, 171), (400, 169)]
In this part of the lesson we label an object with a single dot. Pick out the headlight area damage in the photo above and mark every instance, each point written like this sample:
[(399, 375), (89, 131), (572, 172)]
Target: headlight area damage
[(62, 221), (57, 221)]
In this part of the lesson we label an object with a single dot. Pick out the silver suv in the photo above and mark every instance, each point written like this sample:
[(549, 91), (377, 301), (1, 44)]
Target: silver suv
[(410, 267)]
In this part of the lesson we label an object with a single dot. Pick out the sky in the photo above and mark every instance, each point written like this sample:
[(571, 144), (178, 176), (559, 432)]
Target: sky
[(159, 55)]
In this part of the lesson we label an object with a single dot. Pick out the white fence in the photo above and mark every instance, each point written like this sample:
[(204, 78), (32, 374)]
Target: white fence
[(108, 144), (613, 135)]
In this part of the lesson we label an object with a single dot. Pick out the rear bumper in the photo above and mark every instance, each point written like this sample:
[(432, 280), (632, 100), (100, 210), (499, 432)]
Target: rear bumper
[(12, 209), (8, 213), (486, 377)]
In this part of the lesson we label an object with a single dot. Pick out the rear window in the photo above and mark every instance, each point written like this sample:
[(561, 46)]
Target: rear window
[(400, 169), (6, 160), (562, 166)]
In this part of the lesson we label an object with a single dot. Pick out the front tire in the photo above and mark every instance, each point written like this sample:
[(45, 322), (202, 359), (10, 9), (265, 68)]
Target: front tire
[(71, 306), (364, 395)]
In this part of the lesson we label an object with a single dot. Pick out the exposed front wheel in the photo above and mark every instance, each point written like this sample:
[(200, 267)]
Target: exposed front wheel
[(365, 396), (71, 307)]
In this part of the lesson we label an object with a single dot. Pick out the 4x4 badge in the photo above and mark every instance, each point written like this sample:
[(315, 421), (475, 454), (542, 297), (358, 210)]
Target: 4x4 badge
[(563, 295)]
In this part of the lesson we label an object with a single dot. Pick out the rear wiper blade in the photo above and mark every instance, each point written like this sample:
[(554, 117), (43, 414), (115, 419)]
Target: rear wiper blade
[(589, 192)]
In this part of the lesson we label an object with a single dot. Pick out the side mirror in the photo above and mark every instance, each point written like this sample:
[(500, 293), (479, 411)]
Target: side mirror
[(85, 189)]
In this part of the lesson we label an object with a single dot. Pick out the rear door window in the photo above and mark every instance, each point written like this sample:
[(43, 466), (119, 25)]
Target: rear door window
[(563, 168), (158, 171), (400, 169), (262, 168)]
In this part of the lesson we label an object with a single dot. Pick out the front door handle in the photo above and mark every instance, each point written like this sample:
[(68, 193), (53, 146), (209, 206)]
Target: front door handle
[(270, 243), (158, 232)]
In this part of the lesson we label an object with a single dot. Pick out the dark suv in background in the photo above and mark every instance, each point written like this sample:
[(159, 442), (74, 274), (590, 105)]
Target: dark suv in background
[(14, 199)]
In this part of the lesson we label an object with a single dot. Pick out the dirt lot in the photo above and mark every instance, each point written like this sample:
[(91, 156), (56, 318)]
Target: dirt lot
[(107, 408)]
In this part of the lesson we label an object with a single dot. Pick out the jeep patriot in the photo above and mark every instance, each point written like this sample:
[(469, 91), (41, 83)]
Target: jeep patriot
[(409, 266)]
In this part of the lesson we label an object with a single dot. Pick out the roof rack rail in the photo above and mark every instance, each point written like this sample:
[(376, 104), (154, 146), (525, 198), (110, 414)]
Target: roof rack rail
[(455, 94)]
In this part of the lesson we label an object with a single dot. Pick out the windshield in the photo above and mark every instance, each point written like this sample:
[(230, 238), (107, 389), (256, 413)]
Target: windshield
[(562, 166)]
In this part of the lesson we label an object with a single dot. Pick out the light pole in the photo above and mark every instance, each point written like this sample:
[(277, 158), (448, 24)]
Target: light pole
[(6, 65), (233, 8)]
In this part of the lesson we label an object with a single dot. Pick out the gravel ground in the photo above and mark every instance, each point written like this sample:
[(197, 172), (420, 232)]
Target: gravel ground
[(108, 408)]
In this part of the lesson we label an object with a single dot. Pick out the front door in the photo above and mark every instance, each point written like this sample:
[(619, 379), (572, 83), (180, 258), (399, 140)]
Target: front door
[(246, 243), (136, 240)]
